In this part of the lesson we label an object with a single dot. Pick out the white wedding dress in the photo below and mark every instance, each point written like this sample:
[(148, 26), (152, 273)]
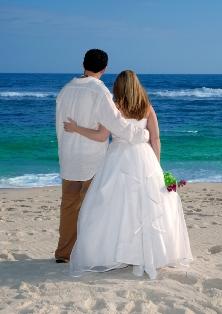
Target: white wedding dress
[(128, 217)]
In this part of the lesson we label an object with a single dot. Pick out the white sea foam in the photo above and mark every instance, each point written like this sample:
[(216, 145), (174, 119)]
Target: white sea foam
[(31, 180), (203, 92), (17, 94), (190, 131), (214, 178), (53, 179)]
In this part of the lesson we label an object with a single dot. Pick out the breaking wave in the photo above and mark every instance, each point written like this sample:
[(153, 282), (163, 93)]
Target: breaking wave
[(31, 180), (203, 92), (15, 94)]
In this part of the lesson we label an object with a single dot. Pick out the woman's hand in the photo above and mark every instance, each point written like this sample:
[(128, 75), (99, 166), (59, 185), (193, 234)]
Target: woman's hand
[(70, 126)]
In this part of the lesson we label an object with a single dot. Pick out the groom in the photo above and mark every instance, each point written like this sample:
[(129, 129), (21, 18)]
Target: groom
[(89, 103)]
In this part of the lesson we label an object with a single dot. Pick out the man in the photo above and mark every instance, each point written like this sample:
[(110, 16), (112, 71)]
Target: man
[(89, 103)]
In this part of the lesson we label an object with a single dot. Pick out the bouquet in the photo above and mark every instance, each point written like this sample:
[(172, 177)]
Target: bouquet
[(171, 182)]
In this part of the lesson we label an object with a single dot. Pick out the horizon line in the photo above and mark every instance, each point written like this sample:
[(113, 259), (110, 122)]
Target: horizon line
[(71, 73)]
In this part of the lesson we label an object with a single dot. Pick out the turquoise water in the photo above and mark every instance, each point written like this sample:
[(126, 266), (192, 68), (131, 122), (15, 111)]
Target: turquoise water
[(189, 109)]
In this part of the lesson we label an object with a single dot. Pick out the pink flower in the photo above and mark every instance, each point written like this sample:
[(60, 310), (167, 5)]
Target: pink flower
[(169, 189), (182, 183), (174, 188)]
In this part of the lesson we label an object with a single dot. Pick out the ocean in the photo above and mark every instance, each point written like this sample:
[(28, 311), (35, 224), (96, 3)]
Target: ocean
[(189, 110)]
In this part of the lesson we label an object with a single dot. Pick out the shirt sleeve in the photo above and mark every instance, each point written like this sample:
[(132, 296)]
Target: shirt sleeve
[(110, 117), (59, 120)]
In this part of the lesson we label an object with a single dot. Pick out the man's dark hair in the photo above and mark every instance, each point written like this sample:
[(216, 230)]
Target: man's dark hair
[(95, 60)]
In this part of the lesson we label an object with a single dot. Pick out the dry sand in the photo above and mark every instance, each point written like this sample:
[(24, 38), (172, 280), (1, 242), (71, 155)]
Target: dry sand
[(31, 282)]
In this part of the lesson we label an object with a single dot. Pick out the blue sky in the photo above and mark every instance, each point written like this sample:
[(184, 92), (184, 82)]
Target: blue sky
[(147, 36)]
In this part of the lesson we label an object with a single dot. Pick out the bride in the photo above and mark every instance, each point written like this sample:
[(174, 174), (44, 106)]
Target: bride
[(128, 217)]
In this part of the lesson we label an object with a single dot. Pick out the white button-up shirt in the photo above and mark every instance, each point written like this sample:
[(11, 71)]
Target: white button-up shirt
[(88, 101)]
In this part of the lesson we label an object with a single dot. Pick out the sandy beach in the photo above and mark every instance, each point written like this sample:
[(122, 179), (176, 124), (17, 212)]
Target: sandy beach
[(31, 281)]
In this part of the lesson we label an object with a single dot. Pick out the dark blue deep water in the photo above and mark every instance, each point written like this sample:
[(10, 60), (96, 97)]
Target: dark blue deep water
[(189, 109)]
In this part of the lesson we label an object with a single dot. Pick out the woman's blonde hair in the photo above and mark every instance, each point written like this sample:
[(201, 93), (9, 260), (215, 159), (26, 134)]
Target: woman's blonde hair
[(130, 97)]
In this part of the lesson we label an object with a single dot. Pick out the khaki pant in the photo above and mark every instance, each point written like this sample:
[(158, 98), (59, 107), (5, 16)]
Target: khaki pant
[(73, 193)]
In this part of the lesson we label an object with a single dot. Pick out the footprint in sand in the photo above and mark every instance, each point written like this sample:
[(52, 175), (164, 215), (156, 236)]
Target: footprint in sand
[(122, 293), (184, 278), (10, 209), (219, 266), (8, 256), (44, 207), (190, 212), (197, 210), (38, 218), (30, 233), (213, 283), (4, 256), (215, 249), (205, 215), (99, 305), (25, 211), (215, 223), (20, 257), (69, 307), (204, 226)]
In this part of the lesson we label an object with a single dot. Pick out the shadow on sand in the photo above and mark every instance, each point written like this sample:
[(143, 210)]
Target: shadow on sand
[(36, 271)]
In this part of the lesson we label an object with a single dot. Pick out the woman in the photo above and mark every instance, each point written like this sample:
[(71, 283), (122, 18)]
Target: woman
[(128, 217)]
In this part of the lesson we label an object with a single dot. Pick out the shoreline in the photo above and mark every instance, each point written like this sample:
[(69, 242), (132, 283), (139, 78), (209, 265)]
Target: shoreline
[(200, 183), (31, 281)]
